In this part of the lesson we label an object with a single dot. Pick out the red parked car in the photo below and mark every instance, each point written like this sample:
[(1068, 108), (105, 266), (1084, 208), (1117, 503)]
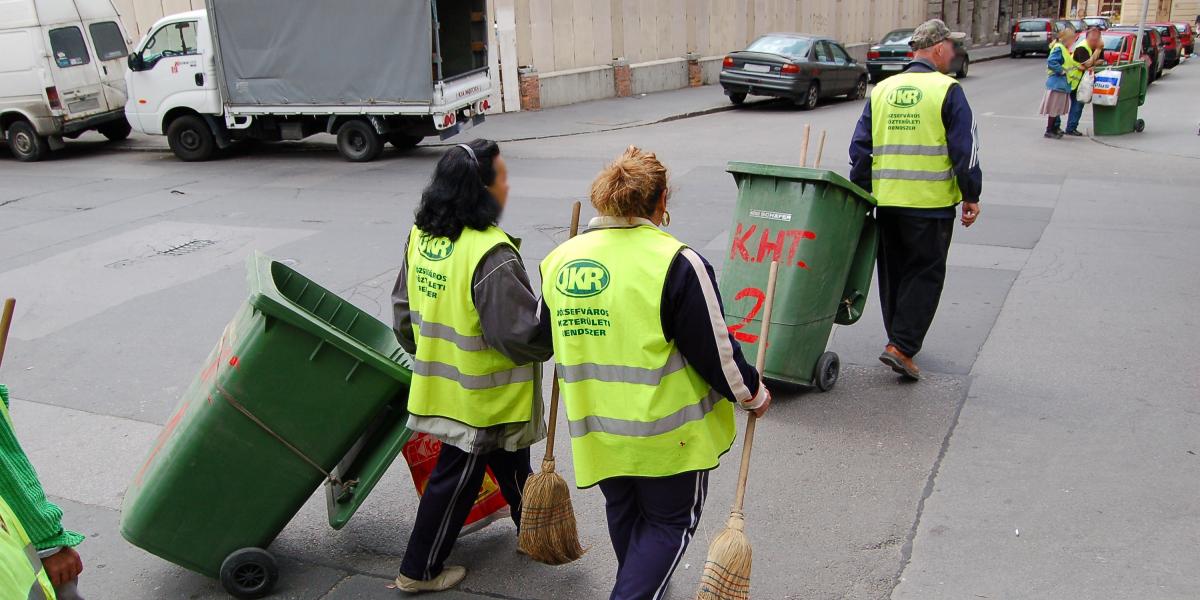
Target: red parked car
[(1187, 36), (1152, 43), (1171, 42), (1117, 47)]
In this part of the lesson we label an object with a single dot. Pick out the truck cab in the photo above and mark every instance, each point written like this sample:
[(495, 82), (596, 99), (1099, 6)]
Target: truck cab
[(61, 73), (172, 71)]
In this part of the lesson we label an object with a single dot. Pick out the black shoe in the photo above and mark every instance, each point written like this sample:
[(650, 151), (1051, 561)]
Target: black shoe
[(1054, 135), (1073, 133)]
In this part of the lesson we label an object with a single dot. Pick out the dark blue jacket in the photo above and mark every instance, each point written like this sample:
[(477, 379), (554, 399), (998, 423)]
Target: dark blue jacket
[(962, 139)]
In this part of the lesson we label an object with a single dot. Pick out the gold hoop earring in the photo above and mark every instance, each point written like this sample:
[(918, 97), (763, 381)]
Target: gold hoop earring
[(666, 219)]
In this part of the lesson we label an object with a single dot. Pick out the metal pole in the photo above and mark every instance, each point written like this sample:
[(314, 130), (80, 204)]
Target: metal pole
[(1137, 45)]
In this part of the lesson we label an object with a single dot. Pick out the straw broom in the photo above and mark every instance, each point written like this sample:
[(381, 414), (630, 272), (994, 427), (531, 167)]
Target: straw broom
[(727, 568), (548, 534)]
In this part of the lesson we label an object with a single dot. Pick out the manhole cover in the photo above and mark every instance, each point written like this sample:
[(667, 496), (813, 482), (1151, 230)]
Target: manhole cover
[(187, 248)]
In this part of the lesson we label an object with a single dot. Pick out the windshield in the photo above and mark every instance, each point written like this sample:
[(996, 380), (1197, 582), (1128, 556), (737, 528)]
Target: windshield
[(900, 36), (786, 46), (1163, 30), (1032, 26), (1181, 28), (1096, 22), (1113, 42)]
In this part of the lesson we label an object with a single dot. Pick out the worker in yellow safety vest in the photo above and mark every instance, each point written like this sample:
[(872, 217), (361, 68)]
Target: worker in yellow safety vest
[(465, 311), (648, 371), (916, 148)]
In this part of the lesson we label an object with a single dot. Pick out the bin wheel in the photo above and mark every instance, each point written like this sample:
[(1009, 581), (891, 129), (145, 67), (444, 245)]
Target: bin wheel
[(826, 373), (249, 573), (1140, 126)]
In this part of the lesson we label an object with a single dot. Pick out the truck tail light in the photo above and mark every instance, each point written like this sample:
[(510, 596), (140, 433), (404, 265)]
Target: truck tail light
[(448, 120), (727, 63), (790, 69), (52, 97), (872, 54)]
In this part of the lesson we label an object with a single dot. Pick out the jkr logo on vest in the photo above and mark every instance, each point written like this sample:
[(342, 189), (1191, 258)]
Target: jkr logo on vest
[(582, 278), (905, 96), (435, 248)]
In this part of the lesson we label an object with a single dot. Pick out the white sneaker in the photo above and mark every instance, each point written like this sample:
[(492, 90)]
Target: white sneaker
[(448, 578)]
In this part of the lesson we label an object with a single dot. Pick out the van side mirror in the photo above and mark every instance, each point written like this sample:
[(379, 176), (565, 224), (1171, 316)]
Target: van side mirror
[(135, 62)]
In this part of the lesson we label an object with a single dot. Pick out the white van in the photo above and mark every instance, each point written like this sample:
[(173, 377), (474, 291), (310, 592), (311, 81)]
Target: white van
[(62, 72)]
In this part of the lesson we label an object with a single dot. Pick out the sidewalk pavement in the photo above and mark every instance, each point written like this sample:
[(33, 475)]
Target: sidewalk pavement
[(596, 116)]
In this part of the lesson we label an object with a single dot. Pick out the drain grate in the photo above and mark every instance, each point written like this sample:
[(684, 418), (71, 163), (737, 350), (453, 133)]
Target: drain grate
[(187, 248)]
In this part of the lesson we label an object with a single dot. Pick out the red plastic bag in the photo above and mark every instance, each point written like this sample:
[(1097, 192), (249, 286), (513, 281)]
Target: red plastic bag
[(421, 454)]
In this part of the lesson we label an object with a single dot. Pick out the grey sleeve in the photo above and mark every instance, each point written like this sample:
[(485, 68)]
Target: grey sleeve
[(508, 309), (401, 315)]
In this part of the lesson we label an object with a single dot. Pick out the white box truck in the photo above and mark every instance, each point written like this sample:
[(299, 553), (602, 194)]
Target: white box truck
[(368, 71), (62, 72)]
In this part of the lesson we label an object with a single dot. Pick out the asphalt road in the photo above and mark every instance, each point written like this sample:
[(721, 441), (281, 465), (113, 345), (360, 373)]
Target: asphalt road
[(1059, 402)]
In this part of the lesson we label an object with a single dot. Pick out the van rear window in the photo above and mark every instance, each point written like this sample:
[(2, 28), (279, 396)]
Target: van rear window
[(69, 47), (106, 37), (1031, 26)]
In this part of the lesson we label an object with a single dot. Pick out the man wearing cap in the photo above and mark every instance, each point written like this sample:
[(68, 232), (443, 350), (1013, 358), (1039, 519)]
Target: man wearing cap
[(916, 149)]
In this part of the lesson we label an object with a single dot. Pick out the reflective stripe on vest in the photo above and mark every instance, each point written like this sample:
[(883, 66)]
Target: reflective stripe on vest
[(20, 567), (634, 406), (910, 162), (456, 374)]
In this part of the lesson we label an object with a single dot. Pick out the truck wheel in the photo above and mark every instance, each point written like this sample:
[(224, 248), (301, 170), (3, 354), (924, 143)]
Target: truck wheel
[(358, 142), (25, 142), (115, 131), (404, 141), (191, 139), (249, 573)]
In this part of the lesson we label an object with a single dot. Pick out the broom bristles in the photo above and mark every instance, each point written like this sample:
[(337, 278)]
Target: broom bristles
[(727, 568), (548, 532)]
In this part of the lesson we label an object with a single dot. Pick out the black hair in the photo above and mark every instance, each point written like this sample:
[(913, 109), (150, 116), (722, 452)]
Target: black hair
[(457, 196)]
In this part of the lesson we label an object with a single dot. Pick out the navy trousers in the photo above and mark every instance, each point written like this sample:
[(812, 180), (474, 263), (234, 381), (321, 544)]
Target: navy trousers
[(449, 496), (651, 520), (912, 270)]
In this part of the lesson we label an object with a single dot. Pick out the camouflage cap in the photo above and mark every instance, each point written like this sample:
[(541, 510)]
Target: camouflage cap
[(933, 32)]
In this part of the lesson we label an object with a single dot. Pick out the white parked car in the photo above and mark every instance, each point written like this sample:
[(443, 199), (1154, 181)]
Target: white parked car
[(62, 72)]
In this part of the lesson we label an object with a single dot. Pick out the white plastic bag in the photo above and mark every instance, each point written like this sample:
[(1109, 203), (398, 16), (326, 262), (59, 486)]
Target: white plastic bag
[(1106, 88), (1084, 92)]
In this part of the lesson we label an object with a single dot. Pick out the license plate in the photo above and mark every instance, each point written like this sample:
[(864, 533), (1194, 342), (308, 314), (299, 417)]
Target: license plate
[(757, 68), (892, 67)]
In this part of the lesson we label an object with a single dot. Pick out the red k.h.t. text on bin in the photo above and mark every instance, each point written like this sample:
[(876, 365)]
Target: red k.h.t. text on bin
[(770, 247)]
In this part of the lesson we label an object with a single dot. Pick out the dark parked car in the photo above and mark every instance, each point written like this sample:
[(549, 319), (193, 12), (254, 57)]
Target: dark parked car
[(802, 68), (1033, 36), (1172, 42), (893, 53)]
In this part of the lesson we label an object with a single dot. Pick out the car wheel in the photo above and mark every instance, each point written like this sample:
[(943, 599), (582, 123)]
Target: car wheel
[(860, 89), (737, 98), (966, 64), (191, 139), (116, 130), (810, 98), (25, 143), (1014, 54), (358, 141)]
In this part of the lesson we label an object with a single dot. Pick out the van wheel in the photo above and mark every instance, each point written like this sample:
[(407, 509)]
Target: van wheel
[(115, 131), (191, 139), (358, 141), (25, 142), (404, 141)]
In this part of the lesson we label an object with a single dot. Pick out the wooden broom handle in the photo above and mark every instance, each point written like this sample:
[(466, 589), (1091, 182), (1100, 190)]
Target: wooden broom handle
[(759, 363), (6, 321), (553, 420)]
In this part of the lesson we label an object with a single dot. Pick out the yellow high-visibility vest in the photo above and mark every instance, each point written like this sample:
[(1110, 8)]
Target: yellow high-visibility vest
[(634, 406), (910, 164), (21, 572), (456, 374)]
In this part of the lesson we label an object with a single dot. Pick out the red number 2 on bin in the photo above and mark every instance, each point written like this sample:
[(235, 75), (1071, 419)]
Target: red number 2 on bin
[(736, 329)]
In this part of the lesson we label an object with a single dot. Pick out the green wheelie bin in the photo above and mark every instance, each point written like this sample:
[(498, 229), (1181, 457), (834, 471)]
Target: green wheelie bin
[(819, 227), (301, 388), (1122, 118)]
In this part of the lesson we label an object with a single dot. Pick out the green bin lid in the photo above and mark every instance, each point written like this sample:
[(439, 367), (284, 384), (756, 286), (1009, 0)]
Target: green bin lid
[(800, 174)]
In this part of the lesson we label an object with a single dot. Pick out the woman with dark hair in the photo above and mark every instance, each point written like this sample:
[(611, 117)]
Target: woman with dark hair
[(466, 313)]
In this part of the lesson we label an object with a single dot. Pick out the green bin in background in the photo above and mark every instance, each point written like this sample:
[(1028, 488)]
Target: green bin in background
[(1123, 118), (819, 227), (302, 388)]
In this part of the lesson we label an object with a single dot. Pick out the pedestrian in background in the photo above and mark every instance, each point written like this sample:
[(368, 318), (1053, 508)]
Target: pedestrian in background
[(465, 311), (916, 149), (1057, 100), (648, 370), (40, 526)]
